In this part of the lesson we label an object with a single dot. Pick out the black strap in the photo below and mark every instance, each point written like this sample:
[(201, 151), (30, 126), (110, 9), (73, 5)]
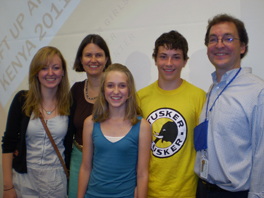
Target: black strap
[(54, 145)]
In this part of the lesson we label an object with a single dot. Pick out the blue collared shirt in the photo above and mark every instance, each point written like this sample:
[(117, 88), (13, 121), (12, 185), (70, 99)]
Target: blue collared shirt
[(235, 151)]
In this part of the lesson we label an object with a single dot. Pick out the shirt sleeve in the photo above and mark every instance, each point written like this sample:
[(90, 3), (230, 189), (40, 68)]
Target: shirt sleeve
[(138, 100), (257, 173), (200, 106), (11, 135)]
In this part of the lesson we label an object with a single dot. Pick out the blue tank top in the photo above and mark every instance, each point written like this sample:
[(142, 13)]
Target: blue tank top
[(114, 165)]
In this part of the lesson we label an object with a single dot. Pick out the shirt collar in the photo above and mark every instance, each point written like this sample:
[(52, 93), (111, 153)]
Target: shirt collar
[(229, 75)]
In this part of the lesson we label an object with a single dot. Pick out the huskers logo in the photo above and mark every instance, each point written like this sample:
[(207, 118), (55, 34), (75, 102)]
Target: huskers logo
[(169, 132)]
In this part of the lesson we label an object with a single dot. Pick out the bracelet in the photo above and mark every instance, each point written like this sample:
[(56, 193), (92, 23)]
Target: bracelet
[(9, 188)]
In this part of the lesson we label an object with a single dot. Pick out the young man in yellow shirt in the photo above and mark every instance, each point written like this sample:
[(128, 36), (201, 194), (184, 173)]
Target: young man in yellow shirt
[(172, 106)]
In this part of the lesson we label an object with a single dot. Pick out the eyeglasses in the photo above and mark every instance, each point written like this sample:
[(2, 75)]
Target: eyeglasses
[(213, 40)]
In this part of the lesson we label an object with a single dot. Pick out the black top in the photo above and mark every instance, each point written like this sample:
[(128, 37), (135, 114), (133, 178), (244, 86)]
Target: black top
[(83, 109)]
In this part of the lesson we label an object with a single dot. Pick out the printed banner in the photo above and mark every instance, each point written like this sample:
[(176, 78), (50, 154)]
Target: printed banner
[(24, 33)]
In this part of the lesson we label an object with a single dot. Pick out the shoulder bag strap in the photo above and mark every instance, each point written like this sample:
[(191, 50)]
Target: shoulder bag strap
[(54, 145)]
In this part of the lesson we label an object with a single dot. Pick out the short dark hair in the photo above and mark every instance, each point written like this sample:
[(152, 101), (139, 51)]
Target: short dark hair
[(91, 38), (242, 32), (171, 40)]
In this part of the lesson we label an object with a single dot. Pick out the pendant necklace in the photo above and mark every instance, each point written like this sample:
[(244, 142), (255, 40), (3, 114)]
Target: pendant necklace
[(49, 112), (86, 92)]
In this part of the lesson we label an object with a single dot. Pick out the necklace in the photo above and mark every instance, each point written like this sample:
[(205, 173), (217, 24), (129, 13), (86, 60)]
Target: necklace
[(49, 112), (86, 92)]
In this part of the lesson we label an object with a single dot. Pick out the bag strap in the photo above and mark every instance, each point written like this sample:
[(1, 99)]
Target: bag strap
[(54, 145)]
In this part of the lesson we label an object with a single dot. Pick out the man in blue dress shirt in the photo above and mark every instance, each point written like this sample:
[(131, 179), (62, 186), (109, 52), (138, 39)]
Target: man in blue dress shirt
[(229, 139)]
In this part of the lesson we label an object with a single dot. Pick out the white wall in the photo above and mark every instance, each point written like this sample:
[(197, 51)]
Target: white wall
[(130, 28)]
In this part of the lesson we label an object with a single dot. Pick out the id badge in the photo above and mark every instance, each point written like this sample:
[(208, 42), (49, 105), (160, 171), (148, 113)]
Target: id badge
[(203, 168), (200, 136)]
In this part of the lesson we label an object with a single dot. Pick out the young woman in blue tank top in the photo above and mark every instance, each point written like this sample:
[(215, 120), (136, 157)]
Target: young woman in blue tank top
[(116, 141)]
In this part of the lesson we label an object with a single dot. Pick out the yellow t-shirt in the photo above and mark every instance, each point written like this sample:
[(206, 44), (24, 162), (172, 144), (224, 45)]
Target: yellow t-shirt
[(173, 116)]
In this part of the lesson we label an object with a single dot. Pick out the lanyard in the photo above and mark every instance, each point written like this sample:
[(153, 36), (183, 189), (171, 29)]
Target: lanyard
[(219, 94)]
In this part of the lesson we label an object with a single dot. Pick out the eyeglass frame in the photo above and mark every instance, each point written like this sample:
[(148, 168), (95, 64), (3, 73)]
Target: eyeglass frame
[(224, 40)]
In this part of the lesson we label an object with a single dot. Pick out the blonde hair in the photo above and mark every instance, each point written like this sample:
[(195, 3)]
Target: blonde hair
[(33, 96), (101, 106)]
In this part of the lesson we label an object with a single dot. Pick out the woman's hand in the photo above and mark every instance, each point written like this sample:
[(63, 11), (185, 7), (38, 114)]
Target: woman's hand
[(10, 193)]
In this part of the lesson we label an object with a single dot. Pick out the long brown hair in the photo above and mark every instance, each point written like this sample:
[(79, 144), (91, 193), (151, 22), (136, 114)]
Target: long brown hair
[(33, 96), (101, 106)]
